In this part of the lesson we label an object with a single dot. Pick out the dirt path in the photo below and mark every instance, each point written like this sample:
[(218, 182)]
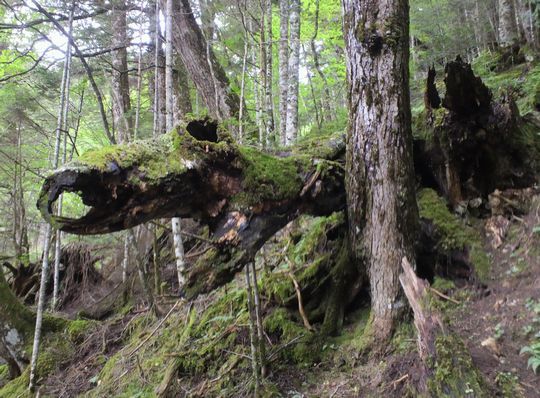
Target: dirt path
[(497, 322)]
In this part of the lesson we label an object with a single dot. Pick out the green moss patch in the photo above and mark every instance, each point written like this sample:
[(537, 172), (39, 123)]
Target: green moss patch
[(454, 372), (452, 233)]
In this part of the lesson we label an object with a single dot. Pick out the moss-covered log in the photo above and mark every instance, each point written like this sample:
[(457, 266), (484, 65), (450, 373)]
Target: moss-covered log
[(196, 171)]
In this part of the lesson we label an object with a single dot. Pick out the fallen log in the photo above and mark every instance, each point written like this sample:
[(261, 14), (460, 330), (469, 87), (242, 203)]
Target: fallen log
[(197, 171)]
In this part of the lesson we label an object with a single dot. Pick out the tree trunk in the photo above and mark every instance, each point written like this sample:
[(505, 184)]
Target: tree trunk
[(201, 63), (379, 180), (121, 103), (508, 30), (291, 130), (182, 99), (268, 77), (283, 66)]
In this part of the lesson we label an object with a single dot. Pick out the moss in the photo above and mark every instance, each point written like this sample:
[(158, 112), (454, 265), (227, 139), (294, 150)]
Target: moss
[(454, 372), (403, 341), (268, 177), (453, 235), (309, 257), (77, 329), (4, 374), (307, 348), (443, 285), (17, 387), (509, 385)]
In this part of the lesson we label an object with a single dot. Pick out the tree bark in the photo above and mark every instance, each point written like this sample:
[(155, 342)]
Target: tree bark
[(291, 130), (382, 210), (508, 30), (201, 63), (283, 66), (218, 183), (121, 103)]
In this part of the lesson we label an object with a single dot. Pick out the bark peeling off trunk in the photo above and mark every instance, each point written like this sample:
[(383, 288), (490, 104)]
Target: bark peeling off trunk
[(245, 196)]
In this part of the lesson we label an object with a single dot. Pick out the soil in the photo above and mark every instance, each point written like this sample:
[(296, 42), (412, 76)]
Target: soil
[(503, 310)]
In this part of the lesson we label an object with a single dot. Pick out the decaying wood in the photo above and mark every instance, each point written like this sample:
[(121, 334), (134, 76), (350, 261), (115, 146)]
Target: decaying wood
[(211, 182), (431, 95), (476, 144), (428, 323)]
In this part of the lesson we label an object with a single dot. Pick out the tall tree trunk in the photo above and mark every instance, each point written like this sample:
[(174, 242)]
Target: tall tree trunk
[(291, 131), (269, 75), (379, 179), (60, 126), (121, 103), (201, 63), (169, 95), (508, 31), (328, 114), (283, 66), (157, 86)]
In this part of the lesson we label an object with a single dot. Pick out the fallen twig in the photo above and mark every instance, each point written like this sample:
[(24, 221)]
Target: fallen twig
[(444, 296), (155, 329)]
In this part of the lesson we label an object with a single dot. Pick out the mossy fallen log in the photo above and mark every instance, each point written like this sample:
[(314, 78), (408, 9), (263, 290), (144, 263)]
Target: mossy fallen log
[(197, 171)]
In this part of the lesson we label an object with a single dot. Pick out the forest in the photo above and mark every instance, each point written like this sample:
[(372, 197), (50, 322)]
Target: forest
[(270, 198)]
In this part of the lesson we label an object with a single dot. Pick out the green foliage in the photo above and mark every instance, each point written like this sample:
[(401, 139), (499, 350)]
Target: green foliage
[(533, 351)]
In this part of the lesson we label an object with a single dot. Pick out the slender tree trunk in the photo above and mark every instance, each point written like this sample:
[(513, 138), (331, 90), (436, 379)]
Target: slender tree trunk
[(283, 67), (291, 131), (379, 169), (121, 103), (60, 126), (169, 94), (328, 113), (269, 75)]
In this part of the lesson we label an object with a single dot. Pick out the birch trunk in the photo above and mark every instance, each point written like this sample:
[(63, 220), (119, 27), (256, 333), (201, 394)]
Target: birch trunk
[(283, 66), (291, 130), (379, 169), (269, 75), (60, 126)]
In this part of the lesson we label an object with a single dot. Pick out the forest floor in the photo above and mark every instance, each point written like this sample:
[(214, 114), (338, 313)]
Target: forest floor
[(495, 319)]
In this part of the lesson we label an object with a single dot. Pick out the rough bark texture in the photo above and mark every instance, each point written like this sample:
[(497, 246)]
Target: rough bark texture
[(381, 204), (245, 196), (508, 31), (121, 103), (201, 64), (283, 66), (291, 129)]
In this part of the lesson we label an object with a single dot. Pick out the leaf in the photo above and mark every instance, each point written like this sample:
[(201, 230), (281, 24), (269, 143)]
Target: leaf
[(536, 230), (534, 363)]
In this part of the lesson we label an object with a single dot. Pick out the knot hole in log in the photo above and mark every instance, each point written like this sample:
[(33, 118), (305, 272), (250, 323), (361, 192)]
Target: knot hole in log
[(203, 130)]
